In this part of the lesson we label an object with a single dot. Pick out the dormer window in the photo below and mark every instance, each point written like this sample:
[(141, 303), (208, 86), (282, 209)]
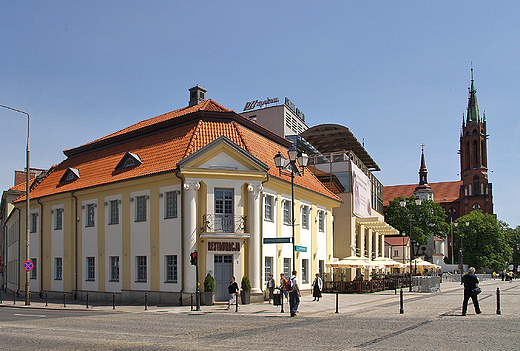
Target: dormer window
[(129, 160), (71, 174)]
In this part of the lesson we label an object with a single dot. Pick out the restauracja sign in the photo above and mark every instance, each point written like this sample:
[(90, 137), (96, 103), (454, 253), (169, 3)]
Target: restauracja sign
[(259, 103)]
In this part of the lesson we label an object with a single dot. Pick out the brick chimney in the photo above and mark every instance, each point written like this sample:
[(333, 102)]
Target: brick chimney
[(197, 95)]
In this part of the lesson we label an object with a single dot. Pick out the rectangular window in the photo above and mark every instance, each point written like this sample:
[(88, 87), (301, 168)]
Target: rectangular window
[(58, 225), (268, 267), (305, 217), (90, 215), (224, 210), (114, 212), (321, 221), (287, 212), (141, 268), (58, 268), (268, 207), (396, 253), (287, 267), (171, 204), (305, 270), (91, 268), (140, 215), (34, 271), (171, 268), (321, 265), (114, 268), (34, 222)]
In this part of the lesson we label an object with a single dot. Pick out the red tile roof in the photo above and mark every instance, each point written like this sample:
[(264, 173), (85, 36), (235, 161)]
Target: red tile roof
[(161, 142), (397, 240), (442, 191)]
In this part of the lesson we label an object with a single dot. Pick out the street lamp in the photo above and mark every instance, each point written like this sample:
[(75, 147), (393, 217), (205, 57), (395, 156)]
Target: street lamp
[(27, 210), (290, 166), (402, 202), (461, 264)]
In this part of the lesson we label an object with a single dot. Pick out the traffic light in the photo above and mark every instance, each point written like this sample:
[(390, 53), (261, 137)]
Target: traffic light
[(193, 258)]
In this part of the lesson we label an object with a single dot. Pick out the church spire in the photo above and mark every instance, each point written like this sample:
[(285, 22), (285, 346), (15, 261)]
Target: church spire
[(472, 114), (423, 172), (423, 191)]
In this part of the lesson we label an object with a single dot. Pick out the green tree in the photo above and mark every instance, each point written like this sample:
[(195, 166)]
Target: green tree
[(484, 241), (427, 219), (513, 238)]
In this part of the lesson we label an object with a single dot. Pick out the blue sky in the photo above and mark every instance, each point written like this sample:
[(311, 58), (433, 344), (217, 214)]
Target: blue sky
[(395, 73)]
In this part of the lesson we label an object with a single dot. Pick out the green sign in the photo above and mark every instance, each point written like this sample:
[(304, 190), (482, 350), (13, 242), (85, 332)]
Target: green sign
[(277, 240), (300, 248)]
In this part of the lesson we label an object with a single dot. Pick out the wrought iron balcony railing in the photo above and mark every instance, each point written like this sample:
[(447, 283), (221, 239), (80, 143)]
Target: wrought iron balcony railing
[(222, 223)]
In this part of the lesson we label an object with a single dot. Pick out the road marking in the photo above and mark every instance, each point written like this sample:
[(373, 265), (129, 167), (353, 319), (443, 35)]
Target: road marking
[(30, 315)]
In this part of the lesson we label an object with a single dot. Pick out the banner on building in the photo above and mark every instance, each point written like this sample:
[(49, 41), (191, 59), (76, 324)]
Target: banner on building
[(361, 193)]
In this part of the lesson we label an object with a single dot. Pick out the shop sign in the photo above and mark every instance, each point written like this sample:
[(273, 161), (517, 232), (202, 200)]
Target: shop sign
[(223, 246)]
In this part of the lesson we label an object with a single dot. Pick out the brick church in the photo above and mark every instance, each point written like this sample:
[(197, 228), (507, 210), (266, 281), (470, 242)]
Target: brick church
[(473, 191)]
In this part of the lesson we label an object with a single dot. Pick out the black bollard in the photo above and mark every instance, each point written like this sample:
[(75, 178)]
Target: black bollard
[(145, 301), (191, 302), (87, 300), (498, 301), (14, 298), (236, 300), (1, 296), (401, 310), (113, 301), (281, 299), (46, 301), (64, 300), (337, 302)]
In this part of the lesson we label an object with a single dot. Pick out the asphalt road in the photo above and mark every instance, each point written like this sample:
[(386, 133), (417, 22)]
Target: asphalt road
[(25, 314), (429, 322)]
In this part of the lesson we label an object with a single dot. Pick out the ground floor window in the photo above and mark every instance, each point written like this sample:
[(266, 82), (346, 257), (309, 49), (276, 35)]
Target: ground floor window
[(34, 271), (141, 268), (114, 268), (91, 268), (305, 271), (58, 268), (268, 268), (171, 268)]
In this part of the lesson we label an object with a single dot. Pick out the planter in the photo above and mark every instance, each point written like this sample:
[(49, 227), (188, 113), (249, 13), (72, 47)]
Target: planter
[(208, 298), (245, 296)]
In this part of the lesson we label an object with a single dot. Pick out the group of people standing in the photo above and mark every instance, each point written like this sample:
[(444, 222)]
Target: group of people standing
[(291, 290)]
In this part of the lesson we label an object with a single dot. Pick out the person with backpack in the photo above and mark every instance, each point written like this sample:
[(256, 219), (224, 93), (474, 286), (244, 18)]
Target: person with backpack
[(283, 288), (294, 294)]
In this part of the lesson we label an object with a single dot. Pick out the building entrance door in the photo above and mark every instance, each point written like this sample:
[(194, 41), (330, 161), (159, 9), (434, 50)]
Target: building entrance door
[(223, 265)]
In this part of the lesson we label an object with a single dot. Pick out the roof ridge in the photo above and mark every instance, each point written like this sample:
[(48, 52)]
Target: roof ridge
[(193, 138), (235, 126)]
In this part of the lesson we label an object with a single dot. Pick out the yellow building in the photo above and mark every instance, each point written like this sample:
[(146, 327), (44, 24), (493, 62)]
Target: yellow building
[(122, 214)]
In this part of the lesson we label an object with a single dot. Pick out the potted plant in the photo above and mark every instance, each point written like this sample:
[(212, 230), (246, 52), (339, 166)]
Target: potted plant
[(246, 291), (209, 290)]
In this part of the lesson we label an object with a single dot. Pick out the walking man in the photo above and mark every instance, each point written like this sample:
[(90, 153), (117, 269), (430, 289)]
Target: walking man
[(294, 294), (470, 282)]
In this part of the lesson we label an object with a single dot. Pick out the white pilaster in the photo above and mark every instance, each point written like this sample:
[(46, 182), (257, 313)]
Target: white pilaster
[(255, 239), (190, 234)]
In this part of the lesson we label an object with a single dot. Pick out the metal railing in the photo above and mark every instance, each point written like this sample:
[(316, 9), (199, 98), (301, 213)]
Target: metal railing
[(222, 223)]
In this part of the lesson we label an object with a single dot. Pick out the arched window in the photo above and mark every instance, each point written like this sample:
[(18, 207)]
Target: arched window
[(476, 185), (469, 190)]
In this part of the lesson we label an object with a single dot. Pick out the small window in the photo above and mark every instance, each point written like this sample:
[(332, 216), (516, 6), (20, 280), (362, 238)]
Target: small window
[(287, 267), (91, 268), (114, 212), (321, 221), (114, 268), (287, 212), (34, 222), (140, 209), (171, 204), (58, 268), (69, 175), (268, 268), (141, 268), (34, 271), (268, 207), (305, 270), (90, 215), (129, 160), (171, 268), (396, 253), (305, 217), (58, 224)]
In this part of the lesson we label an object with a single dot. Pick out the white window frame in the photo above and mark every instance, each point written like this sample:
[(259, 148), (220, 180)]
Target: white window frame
[(114, 268), (268, 207), (171, 264), (140, 208), (141, 273), (287, 212)]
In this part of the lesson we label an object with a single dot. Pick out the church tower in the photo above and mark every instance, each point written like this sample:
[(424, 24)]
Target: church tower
[(423, 191), (475, 192)]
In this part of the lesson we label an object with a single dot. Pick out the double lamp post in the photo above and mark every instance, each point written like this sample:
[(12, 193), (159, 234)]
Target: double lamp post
[(290, 167)]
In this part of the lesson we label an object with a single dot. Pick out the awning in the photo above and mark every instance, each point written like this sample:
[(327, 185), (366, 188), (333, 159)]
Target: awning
[(378, 226)]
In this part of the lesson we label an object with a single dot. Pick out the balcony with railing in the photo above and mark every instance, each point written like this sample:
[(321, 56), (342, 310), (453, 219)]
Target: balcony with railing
[(224, 224)]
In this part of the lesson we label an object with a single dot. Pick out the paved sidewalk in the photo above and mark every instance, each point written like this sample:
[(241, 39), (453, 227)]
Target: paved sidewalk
[(308, 307)]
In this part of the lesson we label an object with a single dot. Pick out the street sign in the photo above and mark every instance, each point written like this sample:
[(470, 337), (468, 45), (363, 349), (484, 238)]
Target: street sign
[(277, 240), (300, 248), (28, 265)]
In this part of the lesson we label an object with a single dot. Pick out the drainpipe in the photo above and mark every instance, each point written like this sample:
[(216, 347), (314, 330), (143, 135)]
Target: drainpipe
[(41, 247), (182, 229), (19, 249), (75, 245)]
